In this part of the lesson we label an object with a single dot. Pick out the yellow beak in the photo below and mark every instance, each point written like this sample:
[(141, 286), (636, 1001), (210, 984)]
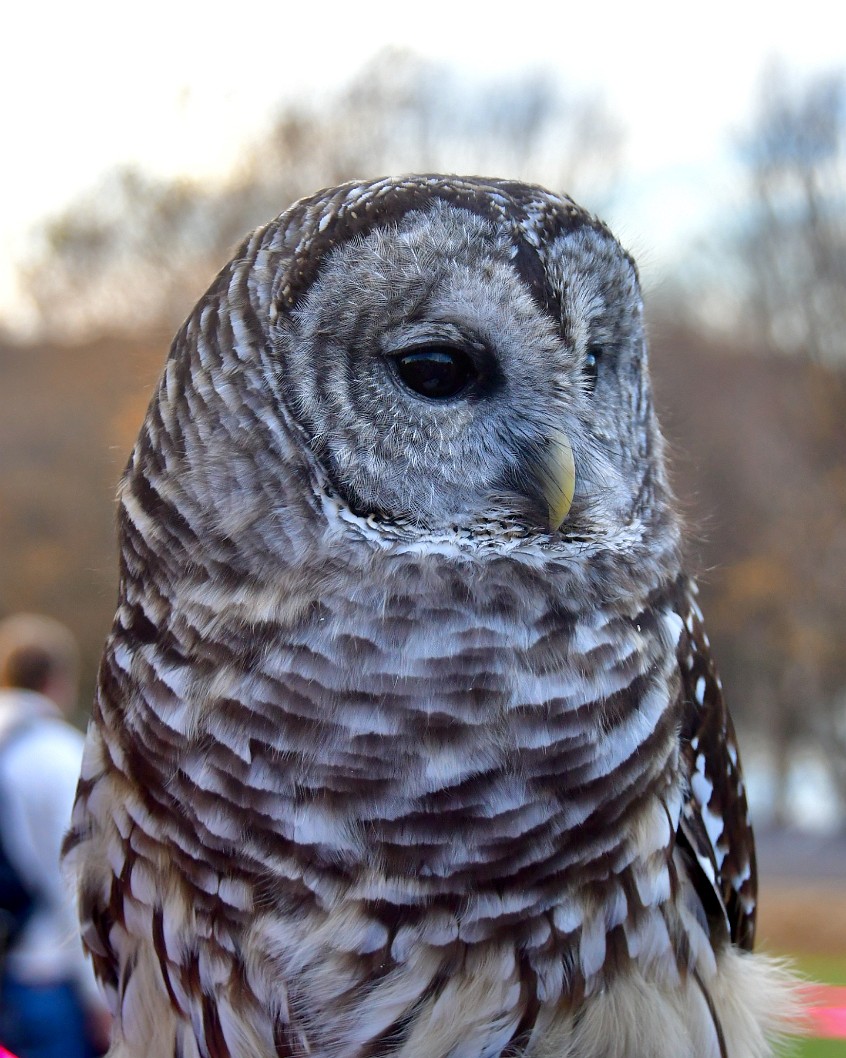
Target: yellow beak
[(559, 478)]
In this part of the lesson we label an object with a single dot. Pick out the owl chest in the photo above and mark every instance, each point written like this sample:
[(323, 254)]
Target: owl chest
[(450, 745), (434, 749)]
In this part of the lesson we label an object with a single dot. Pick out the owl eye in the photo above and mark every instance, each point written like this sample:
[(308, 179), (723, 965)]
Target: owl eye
[(592, 358), (437, 372)]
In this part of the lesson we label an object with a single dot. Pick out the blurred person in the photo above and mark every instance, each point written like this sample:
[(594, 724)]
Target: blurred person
[(49, 1003)]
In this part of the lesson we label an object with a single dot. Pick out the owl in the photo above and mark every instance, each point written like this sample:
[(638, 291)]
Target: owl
[(408, 742)]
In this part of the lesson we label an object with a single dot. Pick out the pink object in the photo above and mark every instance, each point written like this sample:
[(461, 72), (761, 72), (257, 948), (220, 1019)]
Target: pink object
[(4, 1053), (827, 1011)]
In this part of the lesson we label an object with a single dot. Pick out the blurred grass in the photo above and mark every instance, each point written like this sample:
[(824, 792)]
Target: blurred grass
[(827, 969), (819, 1049)]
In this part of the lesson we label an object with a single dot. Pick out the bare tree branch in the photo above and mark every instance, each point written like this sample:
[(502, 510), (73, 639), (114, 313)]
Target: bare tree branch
[(137, 250)]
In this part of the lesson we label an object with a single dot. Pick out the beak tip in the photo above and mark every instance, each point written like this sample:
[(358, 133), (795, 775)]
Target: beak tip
[(561, 480)]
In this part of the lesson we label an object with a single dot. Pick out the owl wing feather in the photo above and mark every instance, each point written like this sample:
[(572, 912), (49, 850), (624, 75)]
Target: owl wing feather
[(714, 831)]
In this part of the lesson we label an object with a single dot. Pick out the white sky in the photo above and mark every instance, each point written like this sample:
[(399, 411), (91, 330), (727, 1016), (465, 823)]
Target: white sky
[(178, 85)]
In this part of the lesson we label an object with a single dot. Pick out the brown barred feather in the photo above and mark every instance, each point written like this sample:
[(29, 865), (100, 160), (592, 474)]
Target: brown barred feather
[(709, 749), (384, 762)]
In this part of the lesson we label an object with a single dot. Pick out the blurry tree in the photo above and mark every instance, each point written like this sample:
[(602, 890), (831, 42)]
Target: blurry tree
[(68, 417), (779, 291), (793, 243), (138, 249), (793, 250)]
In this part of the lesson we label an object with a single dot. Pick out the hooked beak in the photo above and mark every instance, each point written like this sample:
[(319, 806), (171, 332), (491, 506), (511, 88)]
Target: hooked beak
[(558, 478)]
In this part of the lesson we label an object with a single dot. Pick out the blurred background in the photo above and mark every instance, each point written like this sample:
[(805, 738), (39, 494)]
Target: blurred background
[(142, 144)]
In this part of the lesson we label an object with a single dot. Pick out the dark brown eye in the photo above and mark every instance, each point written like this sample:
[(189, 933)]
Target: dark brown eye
[(437, 372), (592, 358)]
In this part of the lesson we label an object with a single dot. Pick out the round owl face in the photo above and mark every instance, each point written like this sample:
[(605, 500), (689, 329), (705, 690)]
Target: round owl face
[(425, 358), (441, 368)]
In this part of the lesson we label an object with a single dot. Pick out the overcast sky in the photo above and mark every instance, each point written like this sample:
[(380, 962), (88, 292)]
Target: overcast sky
[(178, 86)]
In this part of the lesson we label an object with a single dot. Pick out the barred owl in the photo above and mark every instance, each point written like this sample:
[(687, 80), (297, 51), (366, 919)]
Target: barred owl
[(408, 741)]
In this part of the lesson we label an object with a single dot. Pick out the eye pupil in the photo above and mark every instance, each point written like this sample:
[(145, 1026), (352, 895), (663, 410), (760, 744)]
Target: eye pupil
[(592, 358), (435, 373)]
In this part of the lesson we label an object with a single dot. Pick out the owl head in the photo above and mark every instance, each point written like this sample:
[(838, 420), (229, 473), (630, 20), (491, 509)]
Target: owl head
[(432, 357)]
